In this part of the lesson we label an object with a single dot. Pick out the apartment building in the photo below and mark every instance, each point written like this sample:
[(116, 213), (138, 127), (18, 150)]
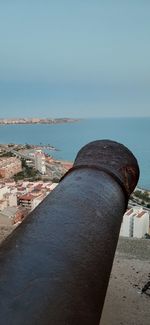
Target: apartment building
[(135, 223), (40, 162)]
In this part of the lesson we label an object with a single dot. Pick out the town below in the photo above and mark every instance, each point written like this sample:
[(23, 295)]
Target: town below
[(27, 175)]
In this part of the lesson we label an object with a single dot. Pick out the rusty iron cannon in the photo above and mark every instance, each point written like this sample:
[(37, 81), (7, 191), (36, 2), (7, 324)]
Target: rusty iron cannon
[(55, 267)]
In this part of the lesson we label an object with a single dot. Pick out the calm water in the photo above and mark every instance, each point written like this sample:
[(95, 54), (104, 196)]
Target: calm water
[(69, 138)]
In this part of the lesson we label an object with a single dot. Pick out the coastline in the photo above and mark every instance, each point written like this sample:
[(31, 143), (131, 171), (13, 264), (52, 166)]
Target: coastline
[(70, 137), (32, 121)]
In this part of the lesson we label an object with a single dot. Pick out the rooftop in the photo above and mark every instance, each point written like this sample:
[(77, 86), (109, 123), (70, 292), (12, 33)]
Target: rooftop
[(27, 197)]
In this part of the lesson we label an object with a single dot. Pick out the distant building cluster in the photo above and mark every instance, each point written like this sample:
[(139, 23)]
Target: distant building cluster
[(9, 167), (17, 200), (135, 223), (37, 120)]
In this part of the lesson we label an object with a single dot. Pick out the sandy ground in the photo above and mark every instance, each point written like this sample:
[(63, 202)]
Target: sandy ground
[(124, 304)]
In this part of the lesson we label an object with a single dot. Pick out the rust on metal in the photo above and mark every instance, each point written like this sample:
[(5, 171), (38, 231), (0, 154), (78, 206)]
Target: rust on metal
[(111, 157)]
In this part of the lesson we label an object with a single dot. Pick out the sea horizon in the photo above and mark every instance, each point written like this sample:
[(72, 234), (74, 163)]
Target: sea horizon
[(74, 117)]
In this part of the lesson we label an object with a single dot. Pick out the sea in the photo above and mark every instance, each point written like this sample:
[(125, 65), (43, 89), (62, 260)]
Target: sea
[(68, 138)]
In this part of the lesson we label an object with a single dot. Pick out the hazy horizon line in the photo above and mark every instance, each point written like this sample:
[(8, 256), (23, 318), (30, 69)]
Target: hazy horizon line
[(73, 117)]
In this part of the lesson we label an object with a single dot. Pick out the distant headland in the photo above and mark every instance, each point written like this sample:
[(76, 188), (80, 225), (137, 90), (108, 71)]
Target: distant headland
[(37, 120)]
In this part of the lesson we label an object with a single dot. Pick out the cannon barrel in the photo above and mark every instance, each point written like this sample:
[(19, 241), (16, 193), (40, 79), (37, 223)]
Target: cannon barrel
[(55, 267)]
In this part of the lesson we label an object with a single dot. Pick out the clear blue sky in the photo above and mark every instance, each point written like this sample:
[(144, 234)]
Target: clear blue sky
[(74, 58)]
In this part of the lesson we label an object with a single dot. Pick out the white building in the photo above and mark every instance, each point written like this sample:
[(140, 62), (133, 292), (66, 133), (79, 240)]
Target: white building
[(40, 162), (135, 223), (3, 190), (12, 200)]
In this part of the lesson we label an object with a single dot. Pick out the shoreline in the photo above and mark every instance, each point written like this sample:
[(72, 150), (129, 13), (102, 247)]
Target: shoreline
[(39, 121), (16, 147)]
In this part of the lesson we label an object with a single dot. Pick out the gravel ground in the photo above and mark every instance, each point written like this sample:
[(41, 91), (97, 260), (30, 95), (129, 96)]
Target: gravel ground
[(124, 304)]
